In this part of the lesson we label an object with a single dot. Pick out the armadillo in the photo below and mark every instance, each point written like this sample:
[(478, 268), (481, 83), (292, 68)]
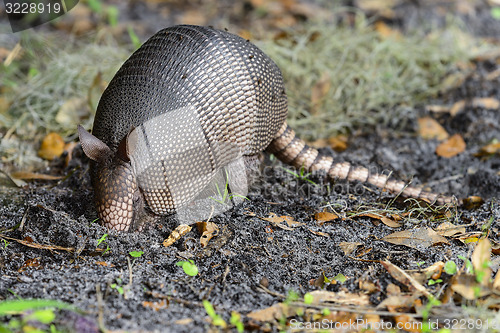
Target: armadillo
[(189, 101)]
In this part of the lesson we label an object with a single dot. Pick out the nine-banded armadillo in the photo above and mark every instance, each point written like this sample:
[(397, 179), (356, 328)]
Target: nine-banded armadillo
[(186, 103)]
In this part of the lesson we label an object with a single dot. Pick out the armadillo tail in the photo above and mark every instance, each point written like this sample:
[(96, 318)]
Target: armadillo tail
[(292, 150)]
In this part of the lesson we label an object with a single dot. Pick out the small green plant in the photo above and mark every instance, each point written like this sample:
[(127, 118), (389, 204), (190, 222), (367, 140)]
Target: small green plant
[(103, 240), (340, 278), (136, 254), (302, 175), (226, 195), (31, 310), (308, 298), (432, 282), (495, 13), (189, 267), (468, 264), (5, 243), (450, 267), (236, 322), (133, 37), (420, 264), (118, 286), (216, 319)]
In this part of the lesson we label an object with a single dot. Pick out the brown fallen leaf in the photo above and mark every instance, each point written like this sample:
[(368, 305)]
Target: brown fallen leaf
[(386, 31), (486, 102), (105, 264), (466, 286), (319, 233), (325, 216), (429, 128), (176, 234), (208, 230), (481, 257), (52, 146), (404, 278), (349, 247), (274, 312), (457, 107), (451, 147), (496, 281), (490, 149), (184, 321), (341, 297), (409, 323), (25, 175), (448, 229), (277, 221), (418, 238), (163, 304), (390, 222)]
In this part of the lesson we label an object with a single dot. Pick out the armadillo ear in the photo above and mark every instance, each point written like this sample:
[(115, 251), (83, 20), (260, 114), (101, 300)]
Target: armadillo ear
[(122, 149), (94, 148)]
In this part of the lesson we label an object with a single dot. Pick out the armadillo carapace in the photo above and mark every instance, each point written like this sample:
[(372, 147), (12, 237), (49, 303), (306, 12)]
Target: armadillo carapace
[(187, 103)]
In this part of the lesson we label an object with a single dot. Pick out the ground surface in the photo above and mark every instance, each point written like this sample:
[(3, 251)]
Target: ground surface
[(250, 253)]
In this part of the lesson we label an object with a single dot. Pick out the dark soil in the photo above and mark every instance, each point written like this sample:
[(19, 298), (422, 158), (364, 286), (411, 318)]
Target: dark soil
[(248, 250)]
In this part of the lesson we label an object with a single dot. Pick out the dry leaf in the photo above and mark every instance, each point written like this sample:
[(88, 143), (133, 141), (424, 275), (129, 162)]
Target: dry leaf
[(481, 258), (393, 289), (409, 323), (448, 229), (319, 233), (492, 148), (275, 312), (325, 216), (52, 146), (457, 107), (33, 175), (473, 202), (69, 113), (386, 31), (452, 81), (451, 147), (404, 278), (176, 234), (277, 220), (341, 297), (466, 286), (429, 128), (184, 321), (486, 102), (390, 222), (418, 238), (438, 108), (208, 230), (103, 263), (496, 282), (349, 247), (338, 143), (163, 304)]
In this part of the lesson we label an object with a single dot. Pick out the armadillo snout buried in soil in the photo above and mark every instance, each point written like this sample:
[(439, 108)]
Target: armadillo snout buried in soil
[(191, 105)]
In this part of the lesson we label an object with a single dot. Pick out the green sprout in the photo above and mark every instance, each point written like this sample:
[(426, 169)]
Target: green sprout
[(216, 319), (103, 240), (302, 175), (189, 267)]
